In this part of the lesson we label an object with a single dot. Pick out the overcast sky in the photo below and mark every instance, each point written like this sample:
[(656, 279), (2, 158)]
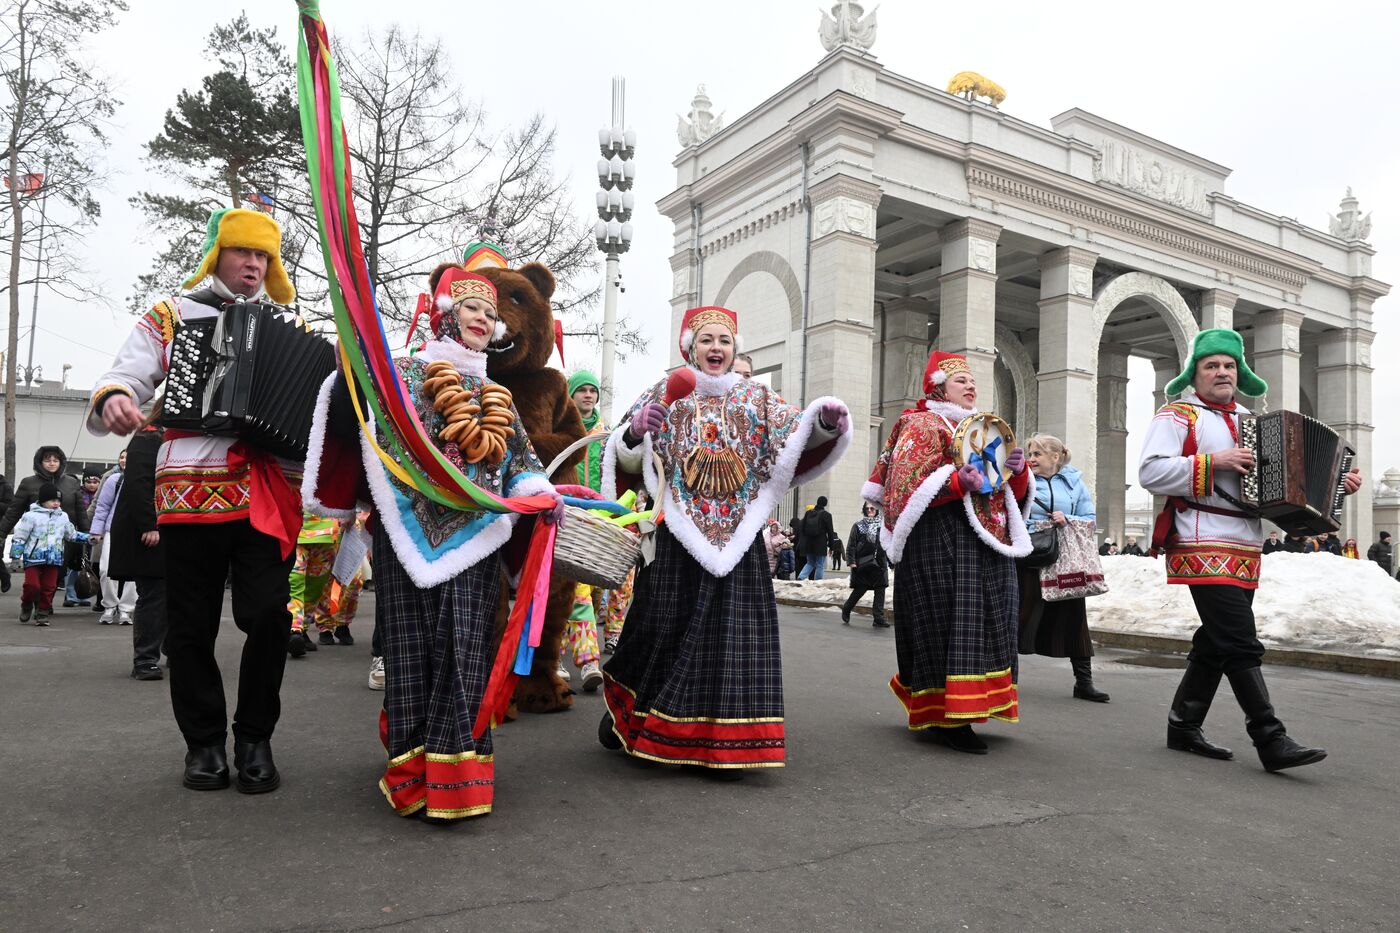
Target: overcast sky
[(1298, 102)]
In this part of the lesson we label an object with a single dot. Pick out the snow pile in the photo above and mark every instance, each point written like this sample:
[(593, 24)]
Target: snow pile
[(1317, 601), (1303, 601)]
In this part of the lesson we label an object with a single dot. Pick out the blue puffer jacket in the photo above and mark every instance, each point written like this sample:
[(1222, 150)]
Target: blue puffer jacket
[(1071, 496)]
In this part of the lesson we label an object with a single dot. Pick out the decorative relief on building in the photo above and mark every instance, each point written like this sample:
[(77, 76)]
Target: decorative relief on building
[(1348, 224), (1363, 355), (1291, 341), (1138, 171), (1081, 281), (701, 123), (847, 24), (981, 254), (845, 215), (680, 282)]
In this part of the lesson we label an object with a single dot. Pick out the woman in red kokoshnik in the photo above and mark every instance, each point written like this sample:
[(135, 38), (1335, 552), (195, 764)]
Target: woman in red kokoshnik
[(955, 592), (436, 570), (696, 678)]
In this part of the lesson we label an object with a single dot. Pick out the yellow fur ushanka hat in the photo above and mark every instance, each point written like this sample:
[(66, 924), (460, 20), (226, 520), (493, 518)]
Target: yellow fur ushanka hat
[(234, 227)]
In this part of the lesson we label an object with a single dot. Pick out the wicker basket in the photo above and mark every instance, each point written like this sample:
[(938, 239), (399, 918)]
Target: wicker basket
[(588, 548)]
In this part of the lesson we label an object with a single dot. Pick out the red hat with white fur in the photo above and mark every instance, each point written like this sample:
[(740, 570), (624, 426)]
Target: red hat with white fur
[(941, 366), (696, 318)]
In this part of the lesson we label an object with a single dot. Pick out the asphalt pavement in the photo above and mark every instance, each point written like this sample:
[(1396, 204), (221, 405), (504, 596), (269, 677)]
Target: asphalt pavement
[(1078, 819)]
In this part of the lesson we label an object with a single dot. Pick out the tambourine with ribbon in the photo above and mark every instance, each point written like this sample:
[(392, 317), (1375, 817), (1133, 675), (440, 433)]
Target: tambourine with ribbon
[(984, 440)]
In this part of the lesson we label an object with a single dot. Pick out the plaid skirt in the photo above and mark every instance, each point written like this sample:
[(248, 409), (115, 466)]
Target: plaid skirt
[(697, 676), (437, 657), (955, 604)]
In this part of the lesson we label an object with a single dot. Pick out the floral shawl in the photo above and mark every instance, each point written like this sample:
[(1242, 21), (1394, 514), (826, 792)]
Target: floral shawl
[(779, 445)]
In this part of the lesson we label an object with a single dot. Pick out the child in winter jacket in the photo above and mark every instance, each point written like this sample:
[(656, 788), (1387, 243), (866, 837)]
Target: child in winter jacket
[(39, 538)]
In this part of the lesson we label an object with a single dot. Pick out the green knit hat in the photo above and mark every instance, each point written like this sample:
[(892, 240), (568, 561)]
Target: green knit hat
[(1209, 343), (580, 379)]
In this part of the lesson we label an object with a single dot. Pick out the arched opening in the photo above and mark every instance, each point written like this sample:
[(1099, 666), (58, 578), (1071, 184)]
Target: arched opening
[(1145, 330)]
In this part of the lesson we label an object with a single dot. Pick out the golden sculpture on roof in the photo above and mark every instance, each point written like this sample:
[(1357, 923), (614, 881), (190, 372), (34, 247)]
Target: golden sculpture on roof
[(972, 86)]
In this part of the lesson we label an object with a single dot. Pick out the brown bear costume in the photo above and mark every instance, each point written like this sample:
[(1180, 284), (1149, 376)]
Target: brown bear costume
[(520, 362)]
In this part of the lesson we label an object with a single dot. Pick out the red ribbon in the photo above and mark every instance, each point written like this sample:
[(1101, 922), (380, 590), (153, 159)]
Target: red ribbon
[(274, 507), (526, 620)]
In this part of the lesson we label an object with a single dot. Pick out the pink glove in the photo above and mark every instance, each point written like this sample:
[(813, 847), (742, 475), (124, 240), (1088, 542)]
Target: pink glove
[(970, 478), (1016, 462), (834, 415), (555, 516), (648, 421)]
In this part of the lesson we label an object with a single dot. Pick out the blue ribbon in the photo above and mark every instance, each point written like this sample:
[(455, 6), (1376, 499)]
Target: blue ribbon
[(524, 654), (605, 505), (985, 461)]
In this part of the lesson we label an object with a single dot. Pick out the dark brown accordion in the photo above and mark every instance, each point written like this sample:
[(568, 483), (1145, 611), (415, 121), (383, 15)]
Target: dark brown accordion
[(1299, 463), (247, 373)]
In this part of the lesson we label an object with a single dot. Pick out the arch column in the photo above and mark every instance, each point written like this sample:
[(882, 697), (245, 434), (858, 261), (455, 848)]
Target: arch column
[(1344, 402), (1277, 350), (840, 327), (900, 354), (967, 300), (1218, 309), (1163, 372), (1068, 352), (1111, 491)]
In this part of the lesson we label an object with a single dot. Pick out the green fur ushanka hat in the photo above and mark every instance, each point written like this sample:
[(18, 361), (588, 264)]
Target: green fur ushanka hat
[(1216, 341)]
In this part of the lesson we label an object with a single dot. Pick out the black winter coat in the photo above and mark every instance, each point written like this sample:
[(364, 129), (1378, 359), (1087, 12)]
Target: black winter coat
[(70, 492), (868, 562), (814, 536), (135, 513)]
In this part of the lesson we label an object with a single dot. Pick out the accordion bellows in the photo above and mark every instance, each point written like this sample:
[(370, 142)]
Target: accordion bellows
[(1296, 482), (247, 373)]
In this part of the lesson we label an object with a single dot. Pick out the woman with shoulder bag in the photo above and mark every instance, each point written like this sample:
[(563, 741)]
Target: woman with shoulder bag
[(1057, 629), (868, 565)]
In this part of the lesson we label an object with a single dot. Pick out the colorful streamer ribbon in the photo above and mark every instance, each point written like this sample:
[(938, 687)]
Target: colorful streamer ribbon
[(367, 358)]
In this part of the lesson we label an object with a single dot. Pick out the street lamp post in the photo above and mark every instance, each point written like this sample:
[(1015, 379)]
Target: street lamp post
[(613, 231)]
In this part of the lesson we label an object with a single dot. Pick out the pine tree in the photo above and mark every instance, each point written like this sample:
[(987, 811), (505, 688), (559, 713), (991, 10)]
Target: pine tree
[(236, 137)]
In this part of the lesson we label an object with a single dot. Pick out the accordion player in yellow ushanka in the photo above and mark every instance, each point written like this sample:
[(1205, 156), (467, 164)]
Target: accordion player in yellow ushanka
[(226, 506), (1192, 454)]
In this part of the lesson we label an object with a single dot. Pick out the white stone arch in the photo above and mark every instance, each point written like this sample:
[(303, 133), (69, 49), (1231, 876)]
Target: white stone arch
[(776, 266), (1157, 292), (1017, 358)]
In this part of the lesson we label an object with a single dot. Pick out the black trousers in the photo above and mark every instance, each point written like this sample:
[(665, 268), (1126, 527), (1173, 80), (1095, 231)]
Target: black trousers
[(198, 559), (878, 609), (147, 620), (1226, 641)]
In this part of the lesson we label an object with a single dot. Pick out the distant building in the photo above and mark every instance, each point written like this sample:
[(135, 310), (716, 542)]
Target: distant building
[(50, 413)]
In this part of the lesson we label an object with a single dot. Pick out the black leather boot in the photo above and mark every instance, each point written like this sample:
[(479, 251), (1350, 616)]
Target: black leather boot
[(1188, 712), (606, 736), (1276, 750), (1084, 688), (206, 768), (256, 772)]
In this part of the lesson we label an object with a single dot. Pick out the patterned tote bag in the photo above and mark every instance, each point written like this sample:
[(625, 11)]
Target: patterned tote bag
[(1077, 572)]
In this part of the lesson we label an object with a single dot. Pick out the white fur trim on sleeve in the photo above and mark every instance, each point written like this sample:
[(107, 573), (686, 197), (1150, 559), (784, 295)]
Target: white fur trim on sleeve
[(1020, 544), (617, 454), (919, 500), (873, 492), (315, 447), (530, 484)]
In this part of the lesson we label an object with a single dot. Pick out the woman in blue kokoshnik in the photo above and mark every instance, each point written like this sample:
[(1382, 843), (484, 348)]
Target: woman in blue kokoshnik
[(697, 675)]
